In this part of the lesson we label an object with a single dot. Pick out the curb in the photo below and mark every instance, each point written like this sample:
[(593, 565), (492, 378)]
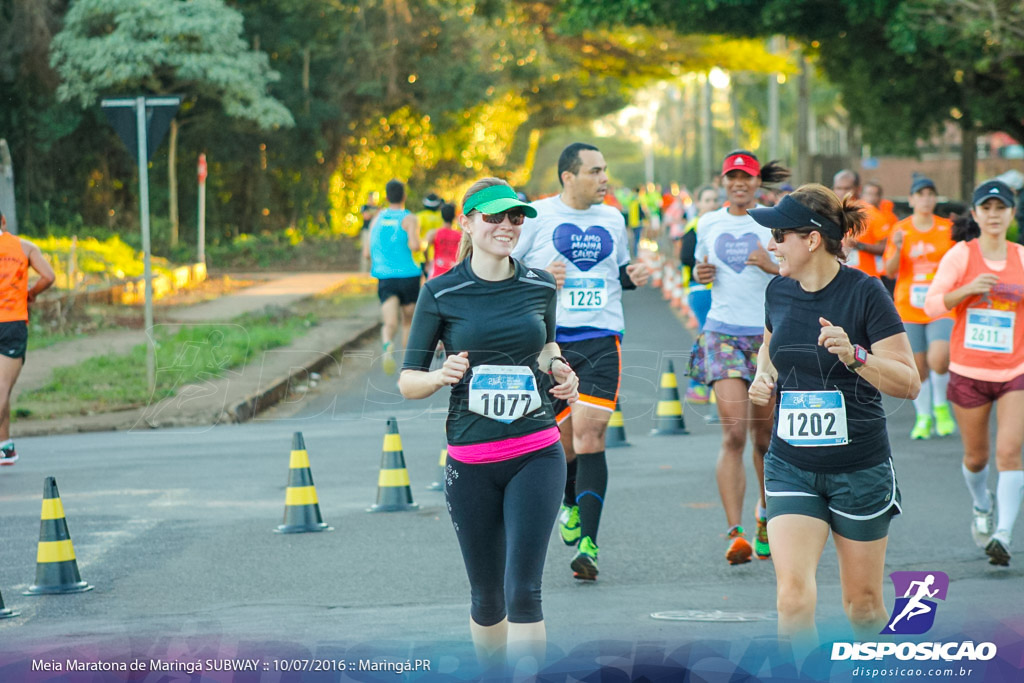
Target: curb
[(253, 405), (235, 411)]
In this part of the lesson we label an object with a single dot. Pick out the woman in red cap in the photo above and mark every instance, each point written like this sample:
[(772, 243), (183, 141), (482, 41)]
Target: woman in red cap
[(731, 253)]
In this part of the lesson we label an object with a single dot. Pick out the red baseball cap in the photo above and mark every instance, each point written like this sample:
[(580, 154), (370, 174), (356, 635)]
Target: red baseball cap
[(741, 162)]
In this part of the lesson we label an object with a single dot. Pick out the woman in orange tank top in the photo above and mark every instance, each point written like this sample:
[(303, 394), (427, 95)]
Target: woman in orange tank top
[(918, 244), (982, 281), (16, 257)]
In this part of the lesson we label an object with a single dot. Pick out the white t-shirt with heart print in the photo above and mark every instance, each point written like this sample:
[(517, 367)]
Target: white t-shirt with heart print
[(737, 294), (593, 244)]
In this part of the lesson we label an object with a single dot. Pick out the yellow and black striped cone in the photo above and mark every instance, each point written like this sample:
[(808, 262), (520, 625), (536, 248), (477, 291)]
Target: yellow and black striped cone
[(439, 484), (393, 491), (56, 566), (669, 413), (616, 435), (6, 613), (301, 505)]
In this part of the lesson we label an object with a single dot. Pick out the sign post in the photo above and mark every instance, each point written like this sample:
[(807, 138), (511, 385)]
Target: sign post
[(201, 241), (141, 123)]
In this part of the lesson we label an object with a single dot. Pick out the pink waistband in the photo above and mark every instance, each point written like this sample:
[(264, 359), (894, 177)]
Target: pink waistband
[(506, 449)]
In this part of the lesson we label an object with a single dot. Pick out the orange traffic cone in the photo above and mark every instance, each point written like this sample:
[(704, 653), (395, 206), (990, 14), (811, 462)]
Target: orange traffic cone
[(6, 613), (669, 413), (301, 505), (393, 491), (439, 484), (56, 566), (616, 436)]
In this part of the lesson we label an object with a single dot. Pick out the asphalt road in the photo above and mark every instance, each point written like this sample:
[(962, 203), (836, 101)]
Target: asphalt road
[(174, 528)]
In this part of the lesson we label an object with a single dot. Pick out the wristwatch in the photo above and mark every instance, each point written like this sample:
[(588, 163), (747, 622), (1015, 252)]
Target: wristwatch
[(553, 359), (860, 357)]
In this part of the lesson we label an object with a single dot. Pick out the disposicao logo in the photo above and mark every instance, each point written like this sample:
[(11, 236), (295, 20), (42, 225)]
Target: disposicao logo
[(914, 614)]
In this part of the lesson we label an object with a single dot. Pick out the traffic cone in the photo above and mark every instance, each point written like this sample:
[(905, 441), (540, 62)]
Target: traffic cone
[(393, 492), (668, 281), (301, 506), (6, 613), (616, 436), (56, 566), (656, 279), (669, 414), (439, 484)]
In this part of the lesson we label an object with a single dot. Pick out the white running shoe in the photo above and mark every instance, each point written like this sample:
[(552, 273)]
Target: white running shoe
[(983, 524)]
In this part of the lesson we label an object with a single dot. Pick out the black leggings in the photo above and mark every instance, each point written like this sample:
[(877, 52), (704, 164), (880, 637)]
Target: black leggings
[(506, 510)]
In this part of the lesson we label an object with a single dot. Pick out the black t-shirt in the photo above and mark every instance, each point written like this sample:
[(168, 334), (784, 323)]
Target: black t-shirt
[(499, 323), (860, 305)]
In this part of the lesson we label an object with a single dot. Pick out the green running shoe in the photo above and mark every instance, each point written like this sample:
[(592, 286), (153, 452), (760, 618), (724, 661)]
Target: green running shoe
[(584, 565), (569, 524), (761, 548), (922, 427), (388, 362), (944, 422)]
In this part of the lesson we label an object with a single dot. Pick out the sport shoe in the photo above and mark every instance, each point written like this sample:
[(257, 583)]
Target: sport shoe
[(739, 550), (387, 361), (922, 427), (569, 524), (944, 422), (584, 565), (8, 456), (761, 548), (697, 394), (998, 551), (983, 523)]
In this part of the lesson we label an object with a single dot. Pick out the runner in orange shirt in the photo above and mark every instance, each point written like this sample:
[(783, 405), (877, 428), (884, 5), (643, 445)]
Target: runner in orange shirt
[(872, 193), (918, 244), (865, 251), (16, 257)]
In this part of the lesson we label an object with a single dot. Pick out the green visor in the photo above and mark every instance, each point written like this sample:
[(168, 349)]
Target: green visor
[(496, 199)]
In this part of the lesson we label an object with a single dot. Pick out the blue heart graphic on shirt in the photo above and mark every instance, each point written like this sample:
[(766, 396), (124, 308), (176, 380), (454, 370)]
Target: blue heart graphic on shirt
[(733, 251), (584, 248)]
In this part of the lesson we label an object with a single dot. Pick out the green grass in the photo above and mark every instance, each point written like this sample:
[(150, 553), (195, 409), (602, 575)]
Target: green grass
[(190, 354)]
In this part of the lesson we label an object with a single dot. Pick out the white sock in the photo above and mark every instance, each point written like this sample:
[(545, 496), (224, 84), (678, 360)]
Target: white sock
[(977, 485), (1009, 493), (939, 384), (923, 402)]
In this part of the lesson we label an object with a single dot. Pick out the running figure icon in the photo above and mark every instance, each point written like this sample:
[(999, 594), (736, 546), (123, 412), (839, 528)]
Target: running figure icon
[(915, 606)]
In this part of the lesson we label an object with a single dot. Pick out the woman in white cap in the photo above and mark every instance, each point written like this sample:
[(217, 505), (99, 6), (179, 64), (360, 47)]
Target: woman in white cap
[(505, 472), (982, 282), (833, 344)]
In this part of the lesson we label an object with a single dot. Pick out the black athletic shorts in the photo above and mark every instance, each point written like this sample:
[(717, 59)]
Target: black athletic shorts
[(14, 338), (598, 364), (856, 505), (407, 289)]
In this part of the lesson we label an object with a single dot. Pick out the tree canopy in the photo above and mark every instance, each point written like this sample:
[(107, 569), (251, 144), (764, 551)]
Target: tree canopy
[(903, 67)]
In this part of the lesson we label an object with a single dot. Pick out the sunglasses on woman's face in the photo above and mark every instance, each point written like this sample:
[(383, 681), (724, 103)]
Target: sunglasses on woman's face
[(515, 217), (779, 234)]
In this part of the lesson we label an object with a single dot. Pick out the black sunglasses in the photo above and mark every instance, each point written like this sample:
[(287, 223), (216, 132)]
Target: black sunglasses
[(515, 217), (779, 234)]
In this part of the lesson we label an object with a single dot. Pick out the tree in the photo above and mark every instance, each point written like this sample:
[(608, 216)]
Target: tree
[(192, 47), (903, 66)]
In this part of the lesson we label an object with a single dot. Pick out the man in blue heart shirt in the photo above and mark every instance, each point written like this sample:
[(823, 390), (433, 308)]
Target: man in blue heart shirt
[(583, 242)]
